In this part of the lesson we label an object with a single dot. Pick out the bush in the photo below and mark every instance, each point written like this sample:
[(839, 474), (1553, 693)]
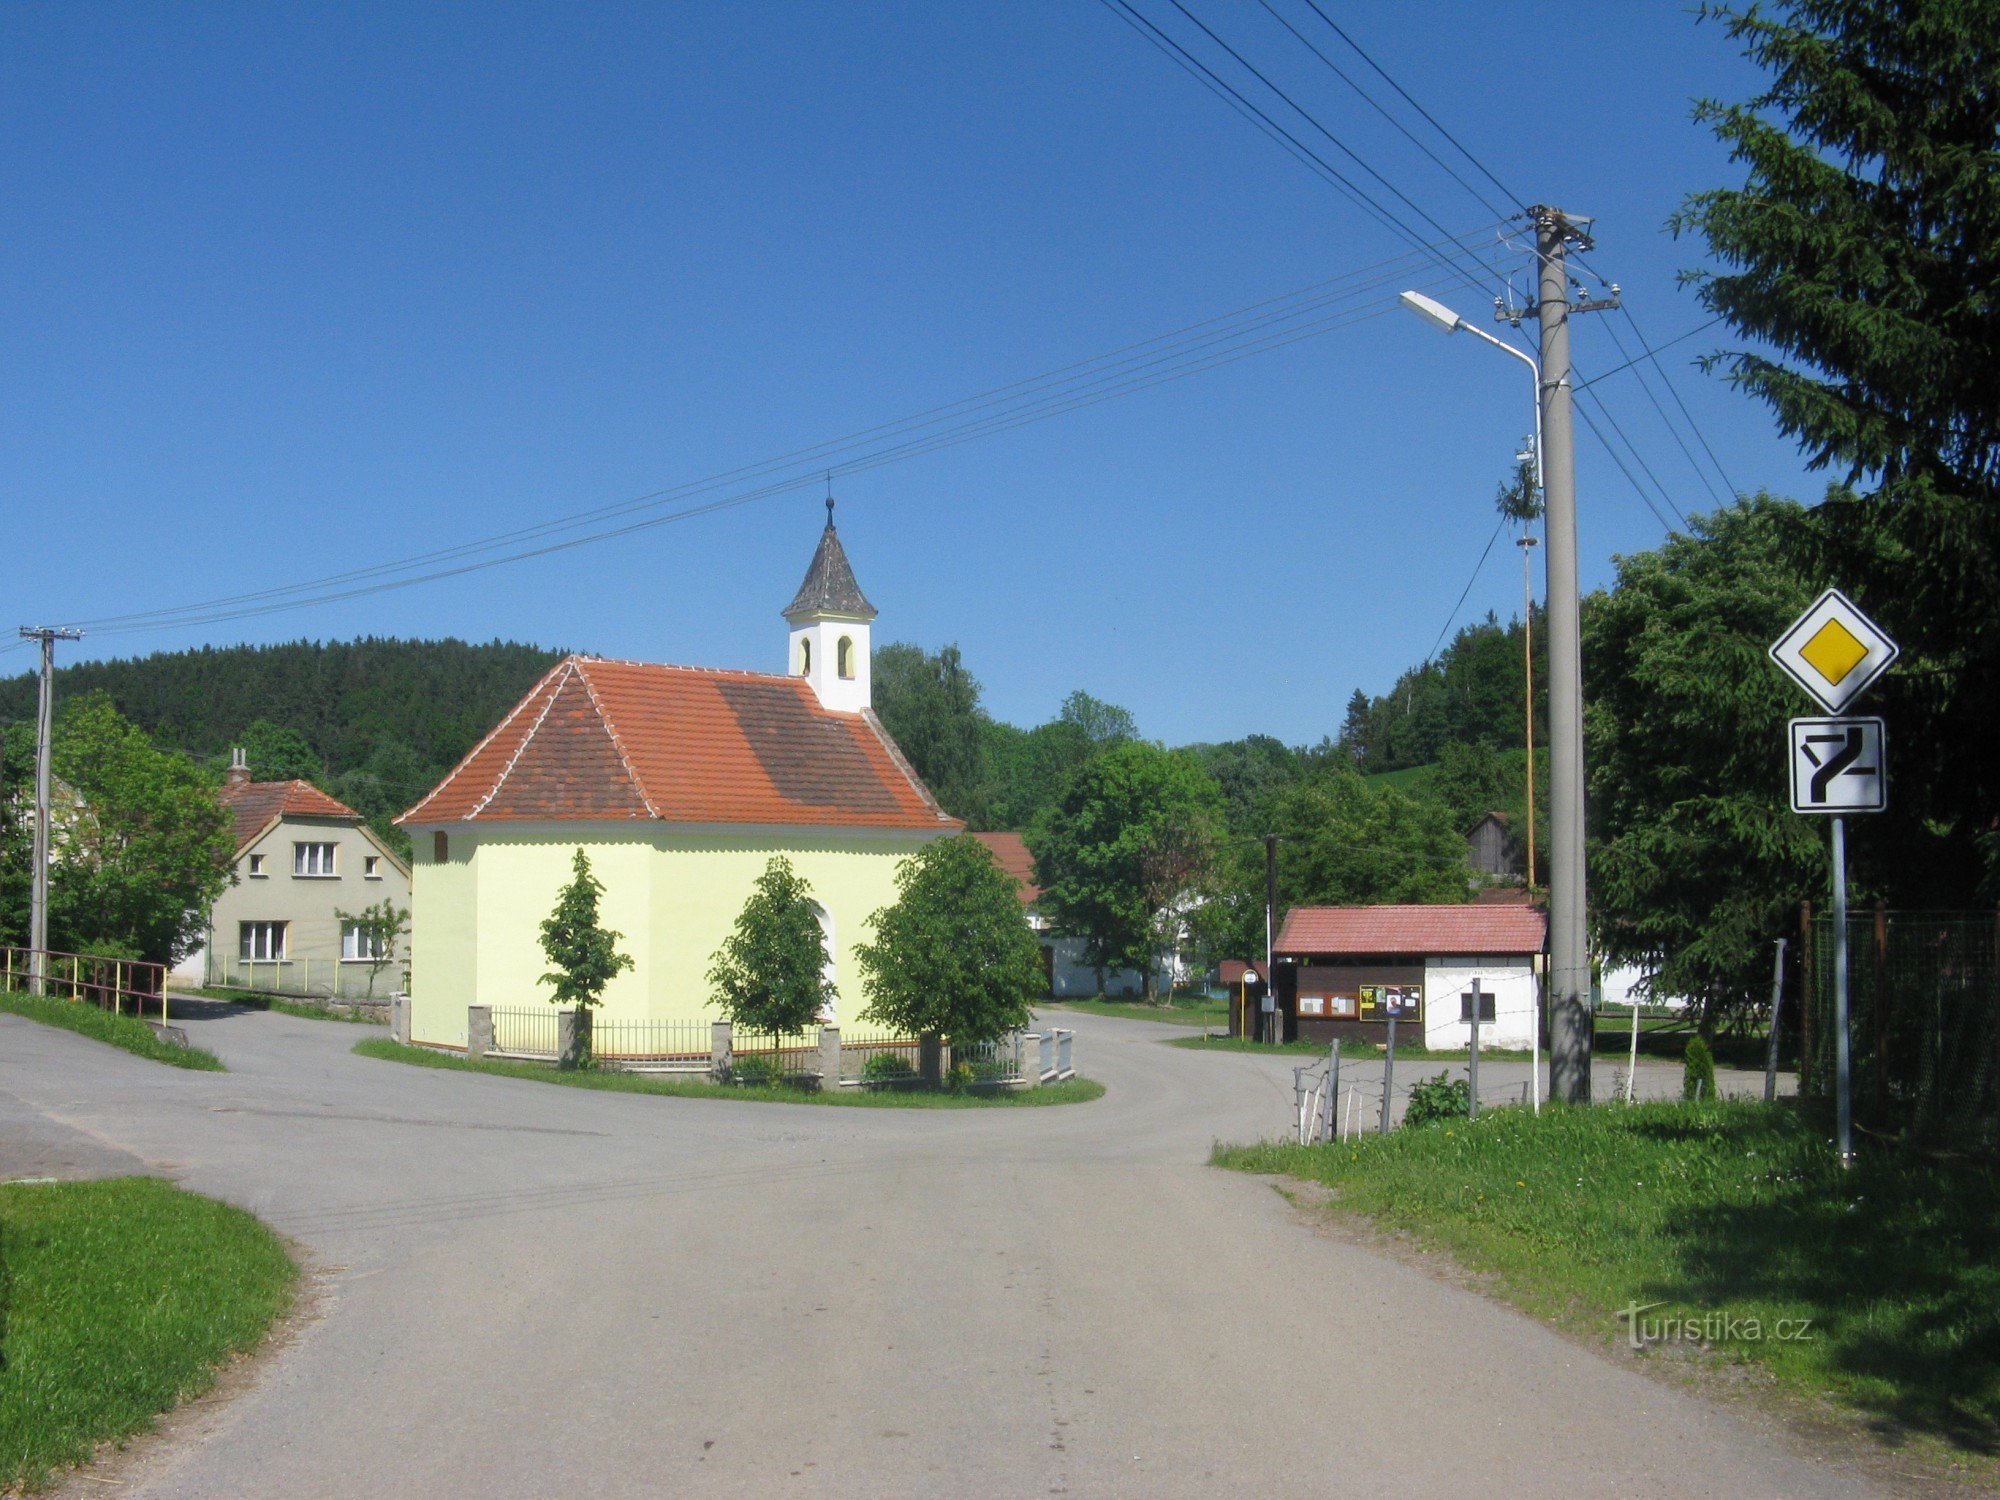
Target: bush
[(958, 1078), (755, 1072), (990, 1072), (1439, 1098), (1698, 1071), (887, 1068)]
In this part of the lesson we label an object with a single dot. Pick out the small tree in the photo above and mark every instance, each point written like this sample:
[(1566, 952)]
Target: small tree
[(953, 956), (770, 974), (583, 956), (378, 929)]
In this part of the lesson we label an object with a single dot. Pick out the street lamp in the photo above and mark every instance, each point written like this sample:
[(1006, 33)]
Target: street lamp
[(1569, 962)]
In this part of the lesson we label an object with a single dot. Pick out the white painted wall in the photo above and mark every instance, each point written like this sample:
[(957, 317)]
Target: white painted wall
[(1509, 978), (824, 633)]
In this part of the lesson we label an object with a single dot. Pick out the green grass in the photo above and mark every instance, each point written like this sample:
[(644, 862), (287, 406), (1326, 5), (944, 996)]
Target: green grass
[(119, 1300), (86, 1019), (1349, 1050), (1668, 1036), (1070, 1091), (1203, 1012), (1723, 1208), (259, 1000)]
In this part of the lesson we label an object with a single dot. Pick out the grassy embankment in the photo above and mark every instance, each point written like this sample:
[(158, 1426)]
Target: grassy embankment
[(1716, 1211), (121, 1300), (258, 1000), (84, 1018), (1070, 1091)]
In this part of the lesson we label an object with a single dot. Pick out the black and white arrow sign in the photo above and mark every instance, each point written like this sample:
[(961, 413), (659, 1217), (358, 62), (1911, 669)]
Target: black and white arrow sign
[(1839, 766)]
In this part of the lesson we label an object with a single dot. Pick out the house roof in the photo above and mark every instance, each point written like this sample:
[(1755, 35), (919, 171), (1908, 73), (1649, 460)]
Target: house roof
[(830, 587), (602, 740), (1413, 929), (253, 804), (1236, 970), (1010, 853)]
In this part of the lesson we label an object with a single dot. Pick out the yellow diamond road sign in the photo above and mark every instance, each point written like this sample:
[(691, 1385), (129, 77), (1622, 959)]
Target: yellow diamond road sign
[(1834, 651)]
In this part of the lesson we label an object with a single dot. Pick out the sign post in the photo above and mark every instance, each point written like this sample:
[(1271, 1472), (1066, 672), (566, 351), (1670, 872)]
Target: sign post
[(1838, 766), (1475, 1003)]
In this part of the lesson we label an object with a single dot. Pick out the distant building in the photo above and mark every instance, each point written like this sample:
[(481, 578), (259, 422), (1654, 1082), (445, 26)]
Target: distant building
[(1069, 977), (680, 784), (301, 859), (1491, 849), (1339, 967)]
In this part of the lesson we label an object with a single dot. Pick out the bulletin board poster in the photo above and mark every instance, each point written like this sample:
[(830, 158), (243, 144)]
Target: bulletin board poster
[(1381, 1001), (1319, 1004)]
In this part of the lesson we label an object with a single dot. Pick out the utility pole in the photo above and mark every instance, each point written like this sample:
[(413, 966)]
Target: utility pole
[(1528, 540), (1271, 934), (38, 910), (1569, 949)]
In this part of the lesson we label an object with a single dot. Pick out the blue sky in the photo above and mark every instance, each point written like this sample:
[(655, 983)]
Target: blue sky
[(293, 290)]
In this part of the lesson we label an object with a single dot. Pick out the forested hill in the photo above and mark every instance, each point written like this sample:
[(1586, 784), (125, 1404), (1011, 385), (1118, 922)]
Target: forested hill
[(376, 722), (1471, 695)]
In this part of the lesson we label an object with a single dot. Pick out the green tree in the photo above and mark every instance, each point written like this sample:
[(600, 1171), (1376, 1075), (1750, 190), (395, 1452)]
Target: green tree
[(930, 706), (1697, 861), (1124, 850), (379, 931), (140, 845), (280, 753), (953, 955), (1519, 499), (583, 954), (1861, 254), (770, 974), (1103, 724), (1343, 842)]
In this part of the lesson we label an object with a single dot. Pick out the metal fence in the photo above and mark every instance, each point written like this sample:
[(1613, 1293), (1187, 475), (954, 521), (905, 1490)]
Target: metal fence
[(526, 1033), (116, 984), (651, 1046), (1923, 1021), (306, 978)]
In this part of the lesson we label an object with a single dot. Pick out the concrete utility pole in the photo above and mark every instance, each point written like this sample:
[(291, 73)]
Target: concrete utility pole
[(1569, 950), (1271, 934), (38, 909)]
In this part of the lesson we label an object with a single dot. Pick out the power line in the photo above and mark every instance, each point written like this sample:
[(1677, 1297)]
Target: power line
[(1034, 400), (1667, 380), (1512, 197), (1679, 338), (1407, 134), (1639, 374), (1465, 593), (1637, 488)]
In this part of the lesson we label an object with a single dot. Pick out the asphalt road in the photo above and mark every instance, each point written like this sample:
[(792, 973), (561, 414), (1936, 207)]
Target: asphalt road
[(533, 1291)]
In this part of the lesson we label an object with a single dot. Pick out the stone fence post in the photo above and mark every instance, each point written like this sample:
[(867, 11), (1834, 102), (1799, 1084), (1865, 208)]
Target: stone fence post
[(829, 1059), (399, 1018), (478, 1030), (572, 1037), (721, 1050)]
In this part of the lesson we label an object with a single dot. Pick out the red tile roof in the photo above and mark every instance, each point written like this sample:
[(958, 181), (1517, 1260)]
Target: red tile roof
[(600, 740), (1010, 853), (252, 804), (1235, 970), (1413, 929)]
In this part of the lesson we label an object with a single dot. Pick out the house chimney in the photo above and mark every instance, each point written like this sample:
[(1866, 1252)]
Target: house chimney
[(239, 768)]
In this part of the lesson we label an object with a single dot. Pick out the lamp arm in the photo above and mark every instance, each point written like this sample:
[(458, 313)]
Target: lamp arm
[(1529, 360)]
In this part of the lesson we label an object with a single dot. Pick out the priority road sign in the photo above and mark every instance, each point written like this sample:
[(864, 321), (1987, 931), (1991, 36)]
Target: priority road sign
[(1838, 765), (1834, 651)]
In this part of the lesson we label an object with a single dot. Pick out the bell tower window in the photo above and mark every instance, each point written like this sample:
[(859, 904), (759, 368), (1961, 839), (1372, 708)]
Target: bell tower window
[(844, 657), (805, 656)]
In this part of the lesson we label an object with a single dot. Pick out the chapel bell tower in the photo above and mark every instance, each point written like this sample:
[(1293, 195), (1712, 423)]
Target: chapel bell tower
[(830, 620)]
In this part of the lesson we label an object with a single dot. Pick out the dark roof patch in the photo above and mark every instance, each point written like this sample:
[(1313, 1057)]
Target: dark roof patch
[(830, 587)]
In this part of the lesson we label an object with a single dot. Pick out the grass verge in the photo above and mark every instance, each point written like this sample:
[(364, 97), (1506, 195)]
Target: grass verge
[(85, 1019), (1070, 1091), (258, 1000), (1734, 1214), (120, 1300), (1196, 1013)]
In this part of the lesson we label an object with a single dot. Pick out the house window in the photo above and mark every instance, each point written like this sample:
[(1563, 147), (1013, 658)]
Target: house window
[(257, 866), (260, 940), (440, 848), (371, 867), (844, 658), (358, 945), (312, 859)]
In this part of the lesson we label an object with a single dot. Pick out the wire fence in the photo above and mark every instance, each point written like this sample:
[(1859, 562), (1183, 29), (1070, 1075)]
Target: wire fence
[(1923, 1021)]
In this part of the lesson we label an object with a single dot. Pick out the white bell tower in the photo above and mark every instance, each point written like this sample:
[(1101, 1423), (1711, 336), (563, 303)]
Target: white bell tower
[(830, 620)]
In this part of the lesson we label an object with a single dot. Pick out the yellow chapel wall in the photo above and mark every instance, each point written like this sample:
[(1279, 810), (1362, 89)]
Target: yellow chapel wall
[(672, 893)]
